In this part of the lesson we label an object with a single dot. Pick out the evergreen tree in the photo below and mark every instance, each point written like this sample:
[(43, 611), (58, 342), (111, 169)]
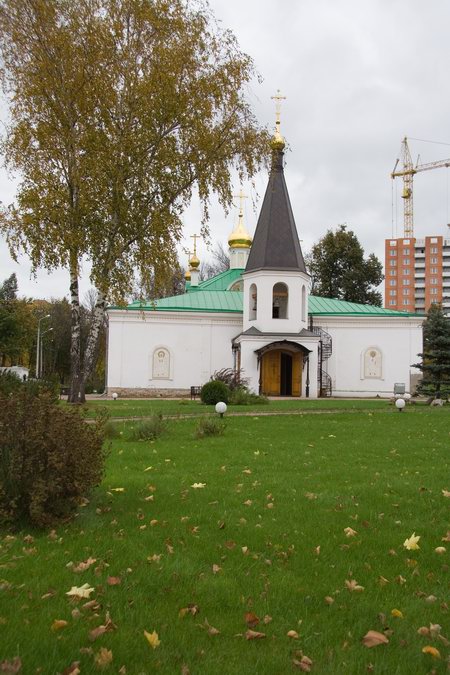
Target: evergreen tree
[(339, 270), (435, 365)]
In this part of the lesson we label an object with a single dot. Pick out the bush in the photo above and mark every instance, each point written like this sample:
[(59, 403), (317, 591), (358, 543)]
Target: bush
[(214, 391), (210, 426), (232, 378), (11, 383), (111, 430), (149, 430), (242, 396), (49, 458)]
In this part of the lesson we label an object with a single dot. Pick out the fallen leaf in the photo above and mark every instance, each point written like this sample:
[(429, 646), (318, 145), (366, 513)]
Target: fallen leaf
[(353, 585), (423, 630), (117, 489), (446, 493), (254, 635), (83, 566), (211, 630), (373, 638), (292, 634), (13, 666), (247, 471), (440, 550), (196, 486), (216, 569), (304, 664), (97, 632), (267, 619), (58, 624), (190, 609), (153, 639), (412, 544), (73, 669), (248, 502), (113, 581), (83, 591), (349, 532), (397, 613), (103, 658), (310, 495), (329, 600), (251, 619), (432, 651)]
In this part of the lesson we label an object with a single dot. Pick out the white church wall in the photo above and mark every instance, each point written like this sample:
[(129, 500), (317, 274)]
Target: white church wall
[(371, 354), (193, 346)]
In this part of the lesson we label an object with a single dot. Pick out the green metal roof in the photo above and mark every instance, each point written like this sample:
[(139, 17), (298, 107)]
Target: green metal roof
[(210, 297)]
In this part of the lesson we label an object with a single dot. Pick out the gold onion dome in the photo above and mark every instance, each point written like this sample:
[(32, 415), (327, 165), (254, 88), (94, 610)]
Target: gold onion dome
[(187, 275), (277, 141), (194, 262), (240, 238)]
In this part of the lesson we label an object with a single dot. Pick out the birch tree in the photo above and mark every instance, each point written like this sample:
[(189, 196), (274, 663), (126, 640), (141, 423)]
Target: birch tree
[(120, 111)]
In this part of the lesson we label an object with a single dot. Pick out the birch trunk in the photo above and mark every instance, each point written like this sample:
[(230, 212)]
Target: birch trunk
[(91, 351), (75, 338)]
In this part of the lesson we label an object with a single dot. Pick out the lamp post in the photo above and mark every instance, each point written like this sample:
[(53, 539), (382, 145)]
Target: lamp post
[(41, 357), (38, 348)]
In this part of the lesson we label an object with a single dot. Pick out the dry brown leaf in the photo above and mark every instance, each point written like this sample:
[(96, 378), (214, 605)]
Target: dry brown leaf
[(14, 666), (190, 609), (304, 664), (423, 630), (113, 581), (83, 566), (211, 630), (103, 658), (251, 619), (230, 545), (350, 532), (267, 619), (216, 569), (73, 669), (329, 600), (292, 634), (373, 638), (353, 586), (58, 624), (248, 502), (254, 635), (97, 632)]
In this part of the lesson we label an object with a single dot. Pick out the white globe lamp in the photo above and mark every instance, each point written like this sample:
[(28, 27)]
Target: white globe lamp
[(221, 408), (115, 396), (400, 404)]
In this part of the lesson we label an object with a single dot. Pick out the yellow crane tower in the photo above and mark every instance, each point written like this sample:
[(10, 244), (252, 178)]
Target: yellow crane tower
[(408, 172)]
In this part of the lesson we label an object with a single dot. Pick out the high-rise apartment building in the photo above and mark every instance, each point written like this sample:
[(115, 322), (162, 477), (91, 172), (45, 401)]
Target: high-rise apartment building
[(417, 273)]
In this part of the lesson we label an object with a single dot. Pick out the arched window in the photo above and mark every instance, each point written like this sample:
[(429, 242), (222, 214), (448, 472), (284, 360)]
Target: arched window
[(161, 364), (253, 302), (280, 296), (303, 303)]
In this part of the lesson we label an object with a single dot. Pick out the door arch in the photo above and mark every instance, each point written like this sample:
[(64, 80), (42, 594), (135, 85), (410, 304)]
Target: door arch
[(281, 369)]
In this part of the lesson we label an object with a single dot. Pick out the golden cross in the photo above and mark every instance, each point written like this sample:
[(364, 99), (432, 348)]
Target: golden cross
[(195, 237), (241, 198), (278, 98)]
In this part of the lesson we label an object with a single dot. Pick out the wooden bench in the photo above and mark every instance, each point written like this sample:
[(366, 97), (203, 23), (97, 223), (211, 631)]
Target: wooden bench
[(195, 391)]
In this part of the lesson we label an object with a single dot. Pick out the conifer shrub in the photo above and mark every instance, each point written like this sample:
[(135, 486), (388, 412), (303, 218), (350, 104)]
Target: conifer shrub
[(50, 459), (214, 391), (150, 429), (210, 426)]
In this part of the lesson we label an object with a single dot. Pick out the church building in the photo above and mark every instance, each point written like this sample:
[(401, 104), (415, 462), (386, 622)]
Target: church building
[(258, 317)]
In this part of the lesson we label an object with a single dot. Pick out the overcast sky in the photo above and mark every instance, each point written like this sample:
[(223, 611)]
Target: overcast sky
[(358, 76)]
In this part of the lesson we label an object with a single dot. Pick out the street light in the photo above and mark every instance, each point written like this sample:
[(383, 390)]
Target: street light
[(41, 358), (38, 348)]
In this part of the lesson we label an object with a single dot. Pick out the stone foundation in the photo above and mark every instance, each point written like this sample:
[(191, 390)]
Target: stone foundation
[(150, 392)]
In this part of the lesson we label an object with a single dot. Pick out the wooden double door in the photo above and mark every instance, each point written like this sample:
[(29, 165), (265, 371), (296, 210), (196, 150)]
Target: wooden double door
[(281, 373)]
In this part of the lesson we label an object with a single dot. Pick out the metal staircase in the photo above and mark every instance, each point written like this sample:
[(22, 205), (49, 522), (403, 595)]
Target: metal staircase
[(324, 386)]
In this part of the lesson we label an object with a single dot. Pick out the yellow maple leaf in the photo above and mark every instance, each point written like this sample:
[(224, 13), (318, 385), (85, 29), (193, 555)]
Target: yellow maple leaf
[(349, 532), (412, 543), (397, 613), (58, 624), (446, 493), (196, 486), (435, 653), (152, 639), (83, 591)]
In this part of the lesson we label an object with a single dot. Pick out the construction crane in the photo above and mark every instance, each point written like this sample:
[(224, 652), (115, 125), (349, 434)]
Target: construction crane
[(408, 174)]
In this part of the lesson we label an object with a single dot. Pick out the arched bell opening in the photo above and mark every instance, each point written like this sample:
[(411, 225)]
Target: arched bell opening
[(280, 297)]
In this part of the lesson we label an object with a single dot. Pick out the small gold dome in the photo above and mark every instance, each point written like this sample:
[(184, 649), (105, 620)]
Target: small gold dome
[(240, 238), (187, 275), (277, 142), (194, 262)]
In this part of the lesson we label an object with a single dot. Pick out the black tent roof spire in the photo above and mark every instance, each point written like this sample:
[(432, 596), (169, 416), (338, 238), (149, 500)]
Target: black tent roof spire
[(276, 245)]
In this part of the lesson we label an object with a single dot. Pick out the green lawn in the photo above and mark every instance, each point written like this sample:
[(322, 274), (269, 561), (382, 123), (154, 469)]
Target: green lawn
[(146, 407), (276, 489)]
